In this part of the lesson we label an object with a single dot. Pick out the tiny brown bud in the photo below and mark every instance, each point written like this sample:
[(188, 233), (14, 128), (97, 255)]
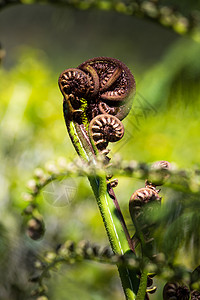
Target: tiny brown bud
[(29, 209), (35, 228), (162, 164), (107, 252), (142, 196), (113, 183), (161, 173)]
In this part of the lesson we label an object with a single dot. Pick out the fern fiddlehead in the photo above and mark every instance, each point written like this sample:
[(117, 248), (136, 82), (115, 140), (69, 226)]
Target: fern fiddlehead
[(97, 95), (98, 86), (145, 202)]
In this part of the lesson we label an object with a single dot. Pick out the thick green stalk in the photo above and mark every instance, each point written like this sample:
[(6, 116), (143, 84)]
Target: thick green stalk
[(143, 285), (116, 234)]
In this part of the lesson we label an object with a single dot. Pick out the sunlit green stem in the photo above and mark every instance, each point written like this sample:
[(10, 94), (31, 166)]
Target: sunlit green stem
[(115, 234), (143, 285)]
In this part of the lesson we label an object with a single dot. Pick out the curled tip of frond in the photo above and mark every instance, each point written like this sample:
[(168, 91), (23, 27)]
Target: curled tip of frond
[(142, 198), (144, 195), (195, 295), (175, 291)]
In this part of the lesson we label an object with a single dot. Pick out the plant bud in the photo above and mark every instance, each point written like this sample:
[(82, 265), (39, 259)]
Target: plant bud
[(35, 228), (141, 197), (160, 174), (195, 295), (175, 291)]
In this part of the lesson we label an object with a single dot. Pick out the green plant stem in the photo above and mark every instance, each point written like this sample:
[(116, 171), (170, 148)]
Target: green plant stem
[(142, 287), (116, 234)]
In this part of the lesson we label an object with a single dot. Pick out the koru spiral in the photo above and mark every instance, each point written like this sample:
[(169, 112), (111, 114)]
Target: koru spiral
[(107, 87), (105, 128), (140, 206), (175, 291)]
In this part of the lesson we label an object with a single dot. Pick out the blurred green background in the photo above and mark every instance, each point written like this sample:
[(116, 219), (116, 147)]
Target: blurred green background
[(40, 42)]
